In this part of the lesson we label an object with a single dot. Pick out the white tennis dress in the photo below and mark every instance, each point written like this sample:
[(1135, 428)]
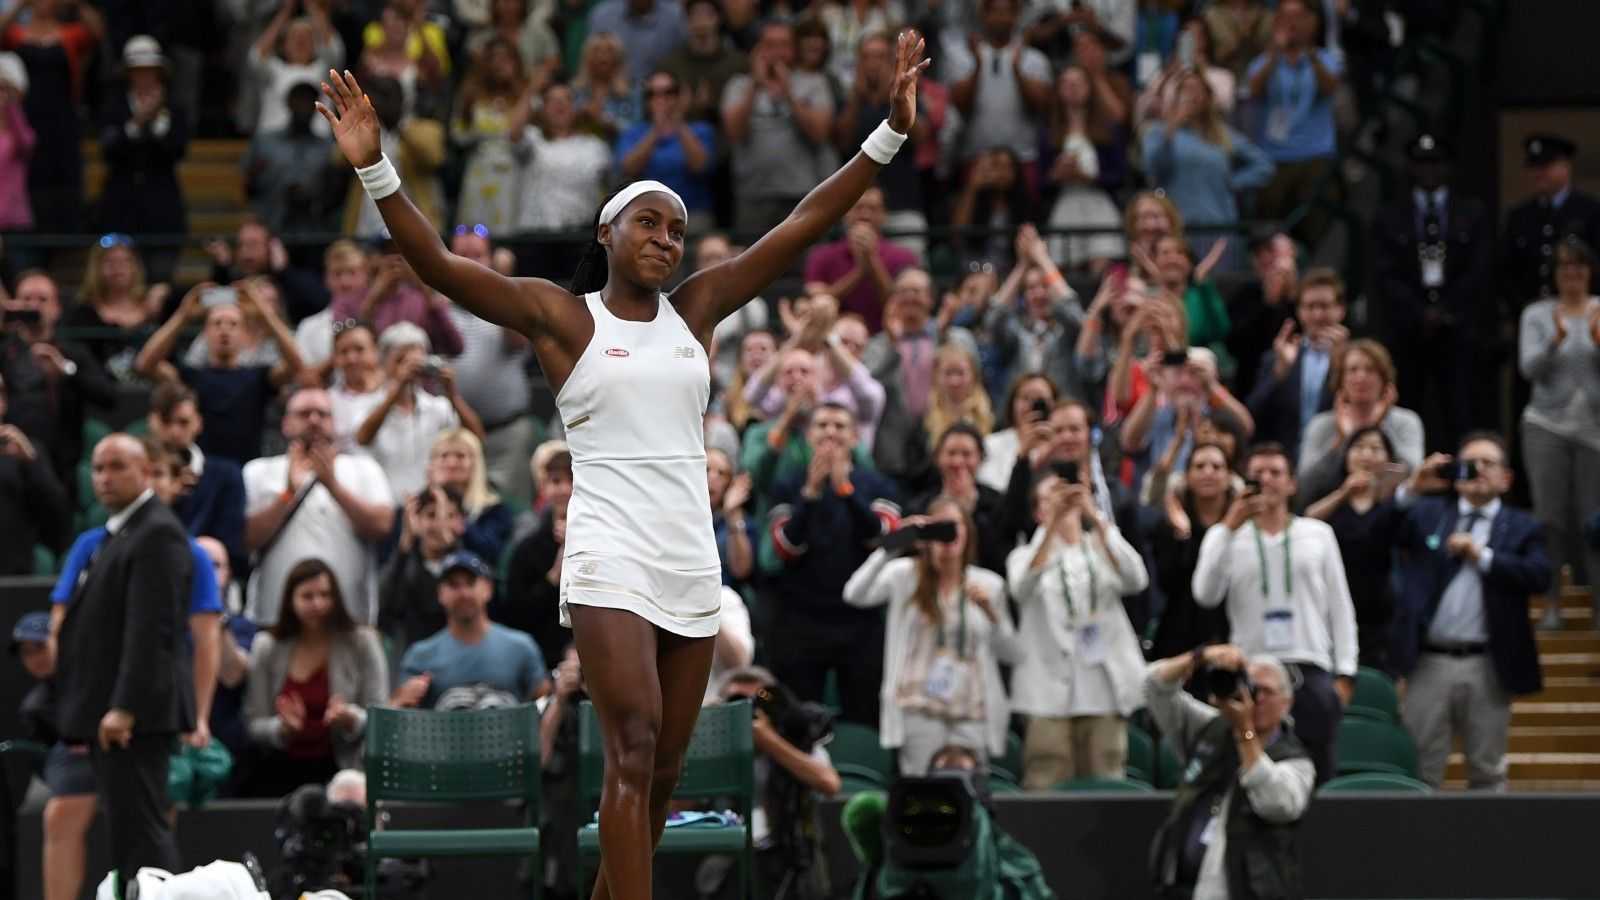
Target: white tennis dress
[(639, 524)]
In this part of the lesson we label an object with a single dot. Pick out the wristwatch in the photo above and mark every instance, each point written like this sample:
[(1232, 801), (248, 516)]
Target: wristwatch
[(68, 367)]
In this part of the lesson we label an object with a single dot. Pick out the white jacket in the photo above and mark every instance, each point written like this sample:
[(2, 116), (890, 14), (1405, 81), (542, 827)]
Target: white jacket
[(1052, 656), (882, 579)]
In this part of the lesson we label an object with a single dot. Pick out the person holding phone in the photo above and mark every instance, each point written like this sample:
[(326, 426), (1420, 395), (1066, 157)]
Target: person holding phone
[(1028, 403), (1365, 521), (1284, 584), (1082, 672), (949, 629)]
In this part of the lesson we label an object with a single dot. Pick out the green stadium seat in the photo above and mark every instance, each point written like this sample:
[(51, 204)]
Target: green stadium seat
[(1141, 762), (1375, 697), (1089, 785), (1378, 782), (1367, 745), (855, 748)]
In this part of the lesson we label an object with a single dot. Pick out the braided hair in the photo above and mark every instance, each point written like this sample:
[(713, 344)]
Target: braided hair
[(592, 272)]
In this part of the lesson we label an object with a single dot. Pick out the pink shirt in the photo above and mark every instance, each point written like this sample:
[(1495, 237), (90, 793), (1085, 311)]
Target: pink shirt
[(405, 304), (831, 262), (16, 148)]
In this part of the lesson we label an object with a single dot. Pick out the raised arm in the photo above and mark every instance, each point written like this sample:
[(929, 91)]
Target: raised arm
[(713, 294), (524, 305), (152, 359)]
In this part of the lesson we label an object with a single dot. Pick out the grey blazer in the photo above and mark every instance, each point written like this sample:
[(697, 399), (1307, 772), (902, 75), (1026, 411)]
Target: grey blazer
[(356, 671)]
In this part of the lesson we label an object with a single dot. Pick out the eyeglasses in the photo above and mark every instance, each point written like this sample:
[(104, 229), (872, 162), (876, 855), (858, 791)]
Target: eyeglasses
[(115, 239), (347, 324), (979, 265), (480, 230)]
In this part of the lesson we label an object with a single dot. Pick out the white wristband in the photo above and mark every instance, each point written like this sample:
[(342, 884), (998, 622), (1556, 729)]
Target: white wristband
[(380, 179), (882, 144)]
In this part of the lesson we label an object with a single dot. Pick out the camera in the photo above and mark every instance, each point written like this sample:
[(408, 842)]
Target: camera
[(1252, 486), (21, 317), (901, 538), (1040, 409), (1223, 683), (1175, 358), (1066, 471), (432, 365), (1461, 471), (801, 723), (324, 845)]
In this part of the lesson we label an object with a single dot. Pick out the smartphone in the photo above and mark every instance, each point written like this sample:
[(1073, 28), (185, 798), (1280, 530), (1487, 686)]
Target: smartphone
[(943, 532), (1462, 471), (1252, 486), (1186, 50), (219, 296), (1175, 358), (1066, 471), (1119, 277), (899, 539), (21, 317), (432, 365), (1040, 409)]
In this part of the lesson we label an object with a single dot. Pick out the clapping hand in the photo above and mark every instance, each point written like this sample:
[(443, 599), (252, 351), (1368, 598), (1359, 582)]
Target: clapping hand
[(339, 714), (291, 715)]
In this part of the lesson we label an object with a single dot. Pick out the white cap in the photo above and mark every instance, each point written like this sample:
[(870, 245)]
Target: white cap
[(141, 52), (13, 72)]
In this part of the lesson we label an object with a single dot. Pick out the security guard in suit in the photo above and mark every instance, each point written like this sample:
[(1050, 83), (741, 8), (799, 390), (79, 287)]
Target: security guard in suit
[(1433, 252), (1536, 225)]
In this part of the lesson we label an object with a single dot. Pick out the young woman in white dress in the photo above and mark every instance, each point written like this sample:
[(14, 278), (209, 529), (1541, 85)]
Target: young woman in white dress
[(640, 580)]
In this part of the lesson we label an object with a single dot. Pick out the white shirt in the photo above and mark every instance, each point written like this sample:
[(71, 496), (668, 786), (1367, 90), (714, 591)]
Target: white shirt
[(404, 441), (350, 409), (1061, 672), (489, 374), (115, 523), (734, 624), (1314, 622), (319, 529), (1460, 619)]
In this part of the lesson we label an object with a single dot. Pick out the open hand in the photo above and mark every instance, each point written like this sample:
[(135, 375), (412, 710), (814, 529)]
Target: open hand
[(352, 118), (291, 714), (908, 65)]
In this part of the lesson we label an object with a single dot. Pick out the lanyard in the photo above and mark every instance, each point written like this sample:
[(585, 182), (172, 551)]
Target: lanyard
[(1293, 82), (1288, 562), (961, 627), (1066, 591)]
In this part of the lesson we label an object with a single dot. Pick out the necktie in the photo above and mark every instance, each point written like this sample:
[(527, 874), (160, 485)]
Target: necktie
[(1430, 221), (1471, 522)]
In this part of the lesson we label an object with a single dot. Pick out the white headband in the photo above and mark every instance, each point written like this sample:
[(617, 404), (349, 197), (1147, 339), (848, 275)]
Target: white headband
[(617, 204)]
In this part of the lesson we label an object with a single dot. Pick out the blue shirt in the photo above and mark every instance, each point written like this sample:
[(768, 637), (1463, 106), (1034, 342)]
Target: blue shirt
[(204, 597), (646, 39), (505, 659), (1202, 177), (1313, 375), (234, 404), (668, 164), (1307, 131)]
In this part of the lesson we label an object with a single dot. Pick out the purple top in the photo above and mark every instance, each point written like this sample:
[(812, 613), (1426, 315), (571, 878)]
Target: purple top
[(405, 304), (16, 147), (859, 392), (831, 262)]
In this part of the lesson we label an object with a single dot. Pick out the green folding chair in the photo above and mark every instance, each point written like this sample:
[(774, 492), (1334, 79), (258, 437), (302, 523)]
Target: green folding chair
[(1091, 784), (1168, 770), (1367, 745), (855, 750), (1374, 782), (720, 764), (1141, 761), (1375, 697), (453, 756)]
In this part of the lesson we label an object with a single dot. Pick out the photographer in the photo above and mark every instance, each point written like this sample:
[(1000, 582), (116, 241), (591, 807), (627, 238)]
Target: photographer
[(791, 768), (949, 627), (1246, 780), (399, 432)]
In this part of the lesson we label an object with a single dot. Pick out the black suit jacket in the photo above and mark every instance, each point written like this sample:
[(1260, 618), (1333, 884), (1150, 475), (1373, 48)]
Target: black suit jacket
[(52, 409), (1519, 569), (121, 643), (1529, 263), (1397, 269), (1275, 405)]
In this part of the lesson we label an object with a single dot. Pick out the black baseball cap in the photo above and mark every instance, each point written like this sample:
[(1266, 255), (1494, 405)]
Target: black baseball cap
[(1543, 148)]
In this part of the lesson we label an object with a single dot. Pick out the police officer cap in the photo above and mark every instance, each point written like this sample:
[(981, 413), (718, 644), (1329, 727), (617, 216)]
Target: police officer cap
[(1543, 148), (1429, 146)]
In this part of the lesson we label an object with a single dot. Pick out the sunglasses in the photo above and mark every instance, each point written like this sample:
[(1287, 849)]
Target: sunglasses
[(115, 239), (480, 230)]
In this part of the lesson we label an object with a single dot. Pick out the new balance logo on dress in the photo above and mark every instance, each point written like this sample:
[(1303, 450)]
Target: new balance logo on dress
[(683, 353)]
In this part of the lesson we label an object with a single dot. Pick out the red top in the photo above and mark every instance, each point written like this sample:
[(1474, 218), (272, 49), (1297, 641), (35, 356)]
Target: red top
[(314, 741)]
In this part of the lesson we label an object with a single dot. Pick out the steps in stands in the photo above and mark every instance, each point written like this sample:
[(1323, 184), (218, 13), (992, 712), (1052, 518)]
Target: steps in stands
[(213, 189), (1555, 734)]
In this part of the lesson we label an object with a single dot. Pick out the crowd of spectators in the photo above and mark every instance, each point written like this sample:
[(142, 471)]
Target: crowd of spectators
[(1203, 446)]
